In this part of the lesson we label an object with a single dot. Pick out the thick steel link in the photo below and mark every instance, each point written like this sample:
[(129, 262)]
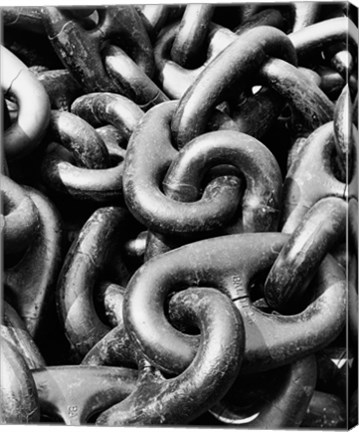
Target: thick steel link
[(18, 393), (32, 280), (343, 132), (215, 366), (271, 339), (25, 134), (323, 34), (299, 90), (291, 273), (14, 331), (239, 60), (99, 176), (149, 154), (293, 390), (134, 83), (310, 177), (120, 23), (98, 185), (77, 136), (20, 220), (61, 88), (84, 261), (259, 207), (192, 34), (100, 109)]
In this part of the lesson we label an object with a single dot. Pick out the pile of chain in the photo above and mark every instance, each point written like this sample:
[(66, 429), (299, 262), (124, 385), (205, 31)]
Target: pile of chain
[(179, 215)]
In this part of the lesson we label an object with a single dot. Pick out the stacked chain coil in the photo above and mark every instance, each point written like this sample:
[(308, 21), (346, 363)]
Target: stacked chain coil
[(179, 194)]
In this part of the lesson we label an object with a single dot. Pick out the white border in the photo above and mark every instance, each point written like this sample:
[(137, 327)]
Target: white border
[(63, 428)]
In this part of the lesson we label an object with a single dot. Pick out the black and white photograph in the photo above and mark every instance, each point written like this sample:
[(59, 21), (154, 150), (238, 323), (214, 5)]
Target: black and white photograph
[(179, 215)]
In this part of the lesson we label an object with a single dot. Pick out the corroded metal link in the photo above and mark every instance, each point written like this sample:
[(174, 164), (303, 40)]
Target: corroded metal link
[(20, 220), (240, 59), (215, 366), (31, 281), (229, 263), (18, 393), (149, 155), (26, 133), (192, 33), (291, 273), (76, 393), (282, 405), (119, 24)]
